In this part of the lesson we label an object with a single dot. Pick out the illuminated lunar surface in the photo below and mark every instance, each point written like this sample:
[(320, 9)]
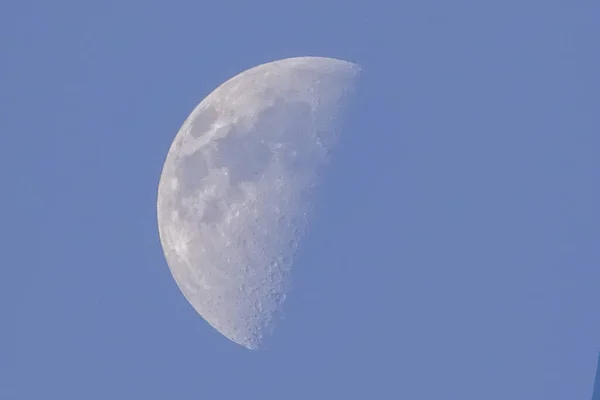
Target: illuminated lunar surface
[(234, 194)]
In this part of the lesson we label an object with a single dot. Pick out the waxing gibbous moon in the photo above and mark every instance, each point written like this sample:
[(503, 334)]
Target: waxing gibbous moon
[(234, 194)]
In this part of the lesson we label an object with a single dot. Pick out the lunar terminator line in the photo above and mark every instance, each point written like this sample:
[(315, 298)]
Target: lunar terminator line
[(234, 193)]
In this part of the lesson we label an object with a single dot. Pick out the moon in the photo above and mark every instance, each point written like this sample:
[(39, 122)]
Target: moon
[(234, 195)]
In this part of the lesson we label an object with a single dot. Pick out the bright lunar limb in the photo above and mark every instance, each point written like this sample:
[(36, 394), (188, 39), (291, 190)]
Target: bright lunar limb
[(233, 196)]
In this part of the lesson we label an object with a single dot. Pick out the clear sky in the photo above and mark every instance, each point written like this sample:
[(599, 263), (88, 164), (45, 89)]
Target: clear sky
[(453, 252)]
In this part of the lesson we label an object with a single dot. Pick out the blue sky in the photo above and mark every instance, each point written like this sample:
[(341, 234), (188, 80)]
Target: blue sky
[(453, 251)]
